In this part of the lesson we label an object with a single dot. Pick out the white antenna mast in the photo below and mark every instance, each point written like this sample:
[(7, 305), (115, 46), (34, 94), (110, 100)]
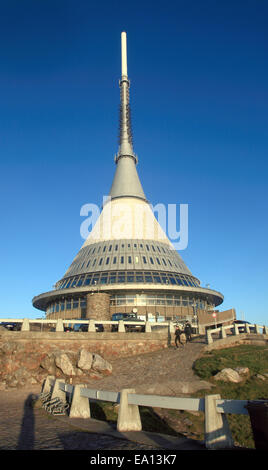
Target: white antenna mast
[(125, 137), (124, 53)]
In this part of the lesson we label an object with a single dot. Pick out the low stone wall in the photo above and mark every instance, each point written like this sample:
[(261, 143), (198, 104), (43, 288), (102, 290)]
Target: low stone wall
[(106, 344)]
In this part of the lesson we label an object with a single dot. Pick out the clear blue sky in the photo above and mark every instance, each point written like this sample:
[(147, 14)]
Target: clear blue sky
[(199, 75)]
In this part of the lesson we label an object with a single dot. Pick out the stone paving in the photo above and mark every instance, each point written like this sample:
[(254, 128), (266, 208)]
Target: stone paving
[(167, 371), (24, 427)]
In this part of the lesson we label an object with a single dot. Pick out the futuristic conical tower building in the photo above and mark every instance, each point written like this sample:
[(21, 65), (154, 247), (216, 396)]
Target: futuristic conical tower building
[(127, 263)]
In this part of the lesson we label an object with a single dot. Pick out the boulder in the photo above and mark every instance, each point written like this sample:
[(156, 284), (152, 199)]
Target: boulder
[(242, 370), (85, 360), (71, 364), (48, 363), (101, 365), (228, 375), (260, 377), (64, 363)]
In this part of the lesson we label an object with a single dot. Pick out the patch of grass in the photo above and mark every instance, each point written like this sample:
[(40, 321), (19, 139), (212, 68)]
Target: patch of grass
[(253, 357), (191, 423)]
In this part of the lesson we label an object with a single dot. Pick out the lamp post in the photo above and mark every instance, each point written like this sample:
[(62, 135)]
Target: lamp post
[(196, 316)]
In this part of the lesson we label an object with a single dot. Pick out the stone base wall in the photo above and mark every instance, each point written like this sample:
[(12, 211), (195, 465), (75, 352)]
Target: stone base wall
[(108, 345)]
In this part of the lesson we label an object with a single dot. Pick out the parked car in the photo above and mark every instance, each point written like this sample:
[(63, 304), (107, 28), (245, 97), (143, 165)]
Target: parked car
[(128, 318), (99, 327), (11, 326), (84, 327), (122, 316)]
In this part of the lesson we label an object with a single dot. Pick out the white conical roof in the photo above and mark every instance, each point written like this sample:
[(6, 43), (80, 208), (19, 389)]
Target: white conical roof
[(127, 235), (126, 218)]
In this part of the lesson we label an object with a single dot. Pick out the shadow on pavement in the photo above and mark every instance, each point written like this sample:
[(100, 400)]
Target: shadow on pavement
[(26, 437)]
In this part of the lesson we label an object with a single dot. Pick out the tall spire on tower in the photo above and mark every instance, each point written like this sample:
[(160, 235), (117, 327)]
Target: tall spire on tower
[(125, 117), (126, 181)]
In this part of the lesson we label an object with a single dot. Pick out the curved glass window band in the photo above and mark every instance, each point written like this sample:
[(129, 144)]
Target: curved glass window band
[(119, 277)]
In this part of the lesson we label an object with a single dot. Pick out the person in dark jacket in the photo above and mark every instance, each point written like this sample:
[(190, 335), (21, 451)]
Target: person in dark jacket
[(178, 333), (188, 331)]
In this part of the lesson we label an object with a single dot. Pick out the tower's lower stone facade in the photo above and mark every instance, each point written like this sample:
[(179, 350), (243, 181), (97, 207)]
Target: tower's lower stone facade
[(98, 306)]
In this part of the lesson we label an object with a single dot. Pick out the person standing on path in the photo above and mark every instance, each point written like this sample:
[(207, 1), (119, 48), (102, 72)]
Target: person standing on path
[(178, 333), (188, 332)]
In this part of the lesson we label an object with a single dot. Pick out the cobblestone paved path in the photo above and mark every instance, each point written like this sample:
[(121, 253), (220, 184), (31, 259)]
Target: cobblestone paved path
[(23, 427)]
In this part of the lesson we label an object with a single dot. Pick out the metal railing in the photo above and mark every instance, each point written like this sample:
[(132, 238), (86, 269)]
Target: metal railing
[(235, 330), (78, 397)]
